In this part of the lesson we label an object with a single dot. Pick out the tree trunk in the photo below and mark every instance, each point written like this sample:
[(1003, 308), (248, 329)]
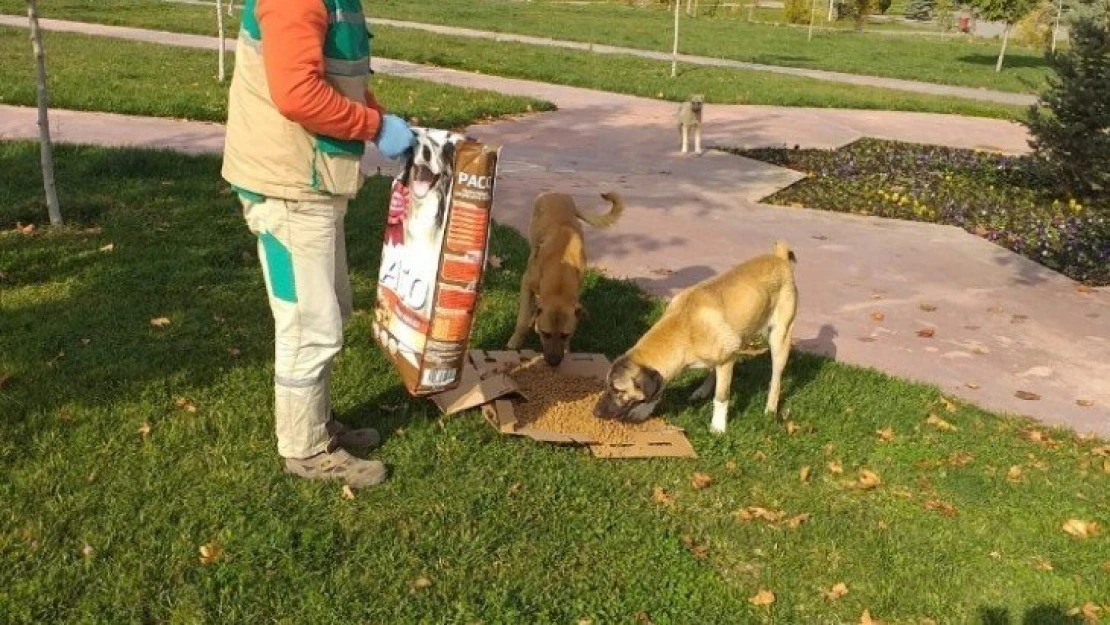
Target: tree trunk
[(674, 52), (1002, 52), (230, 8), (220, 30), (1056, 24), (812, 12), (46, 146), (832, 9)]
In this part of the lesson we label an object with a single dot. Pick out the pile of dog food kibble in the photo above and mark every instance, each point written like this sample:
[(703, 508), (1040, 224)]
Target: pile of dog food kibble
[(563, 403)]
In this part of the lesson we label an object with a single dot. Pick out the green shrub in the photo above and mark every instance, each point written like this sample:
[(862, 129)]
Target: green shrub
[(797, 11), (1070, 124)]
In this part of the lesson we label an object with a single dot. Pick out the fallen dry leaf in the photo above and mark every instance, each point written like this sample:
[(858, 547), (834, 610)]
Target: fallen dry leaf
[(209, 553), (961, 458), (1106, 465), (701, 481), (28, 230), (756, 512), (86, 550), (836, 467), (792, 428), (1014, 474), (347, 493), (644, 619), (797, 520), (661, 497), (730, 465), (836, 592), (1080, 529), (108, 248), (878, 316), (185, 404), (144, 429), (803, 475), (1105, 567), (762, 598), (972, 385), (997, 555), (1084, 403), (944, 508), (234, 352), (494, 261), (869, 479), (1027, 395), (421, 583), (950, 406), (876, 296), (760, 456), (940, 424), (699, 551), (885, 435), (927, 333), (663, 272), (927, 307), (1042, 565), (1083, 288), (867, 619), (160, 322), (1089, 611)]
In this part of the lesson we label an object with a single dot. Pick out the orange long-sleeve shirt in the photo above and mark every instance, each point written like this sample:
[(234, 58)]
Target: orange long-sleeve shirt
[(293, 34)]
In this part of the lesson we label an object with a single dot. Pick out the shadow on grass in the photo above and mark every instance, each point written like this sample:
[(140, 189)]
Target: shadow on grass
[(1013, 60), (1039, 615)]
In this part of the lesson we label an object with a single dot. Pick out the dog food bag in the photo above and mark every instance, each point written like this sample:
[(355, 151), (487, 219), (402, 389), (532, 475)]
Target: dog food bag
[(433, 257)]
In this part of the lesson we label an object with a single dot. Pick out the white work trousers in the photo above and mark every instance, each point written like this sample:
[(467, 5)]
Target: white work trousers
[(304, 261)]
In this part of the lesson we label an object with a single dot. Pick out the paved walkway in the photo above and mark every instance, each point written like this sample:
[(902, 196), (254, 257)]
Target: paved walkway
[(1003, 323)]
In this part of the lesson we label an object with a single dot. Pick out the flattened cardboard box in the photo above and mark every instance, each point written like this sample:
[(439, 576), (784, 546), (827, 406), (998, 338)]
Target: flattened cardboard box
[(433, 257), (484, 382)]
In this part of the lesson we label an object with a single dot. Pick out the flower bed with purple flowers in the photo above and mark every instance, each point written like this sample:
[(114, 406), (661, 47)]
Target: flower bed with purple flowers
[(999, 198)]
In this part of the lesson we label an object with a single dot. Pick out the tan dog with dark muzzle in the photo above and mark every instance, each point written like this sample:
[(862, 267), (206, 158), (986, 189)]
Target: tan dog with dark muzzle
[(706, 326), (549, 290)]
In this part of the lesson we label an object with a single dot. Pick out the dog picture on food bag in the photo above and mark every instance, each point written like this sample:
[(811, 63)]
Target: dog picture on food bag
[(413, 241)]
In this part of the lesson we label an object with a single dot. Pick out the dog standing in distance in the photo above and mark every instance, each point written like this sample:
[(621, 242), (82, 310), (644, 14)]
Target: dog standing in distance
[(549, 290), (706, 326), (689, 118)]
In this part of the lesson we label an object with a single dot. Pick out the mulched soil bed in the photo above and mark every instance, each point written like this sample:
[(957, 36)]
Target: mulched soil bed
[(993, 196)]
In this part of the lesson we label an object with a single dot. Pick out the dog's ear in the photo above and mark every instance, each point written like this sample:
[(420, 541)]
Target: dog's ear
[(650, 383), (449, 155)]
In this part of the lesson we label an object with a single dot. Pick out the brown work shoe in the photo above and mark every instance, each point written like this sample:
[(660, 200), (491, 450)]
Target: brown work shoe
[(338, 464), (361, 438)]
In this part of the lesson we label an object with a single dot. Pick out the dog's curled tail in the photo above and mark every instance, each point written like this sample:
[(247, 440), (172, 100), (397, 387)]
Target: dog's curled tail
[(608, 219), (783, 251)]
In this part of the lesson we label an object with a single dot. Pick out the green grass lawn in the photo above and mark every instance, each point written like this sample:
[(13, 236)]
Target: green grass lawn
[(78, 76), (101, 523), (956, 62), (96, 74)]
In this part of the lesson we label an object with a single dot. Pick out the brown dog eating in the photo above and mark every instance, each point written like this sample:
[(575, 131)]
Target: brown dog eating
[(549, 290), (706, 326)]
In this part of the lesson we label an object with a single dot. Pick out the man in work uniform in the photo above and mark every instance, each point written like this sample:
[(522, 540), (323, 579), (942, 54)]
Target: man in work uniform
[(299, 116)]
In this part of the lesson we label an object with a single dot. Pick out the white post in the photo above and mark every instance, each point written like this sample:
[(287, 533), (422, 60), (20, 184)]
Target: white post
[(1056, 26), (674, 52), (1005, 40), (46, 146), (831, 8), (812, 11), (220, 30)]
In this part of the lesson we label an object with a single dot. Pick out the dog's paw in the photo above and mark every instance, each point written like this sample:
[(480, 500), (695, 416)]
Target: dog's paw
[(515, 342), (717, 429)]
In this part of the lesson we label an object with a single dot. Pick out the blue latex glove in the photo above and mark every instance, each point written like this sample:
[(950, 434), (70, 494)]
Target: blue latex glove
[(394, 137)]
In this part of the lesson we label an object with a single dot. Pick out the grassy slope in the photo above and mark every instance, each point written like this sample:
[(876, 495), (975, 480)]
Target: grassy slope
[(956, 62), (132, 77), (194, 69), (505, 529), (948, 61)]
